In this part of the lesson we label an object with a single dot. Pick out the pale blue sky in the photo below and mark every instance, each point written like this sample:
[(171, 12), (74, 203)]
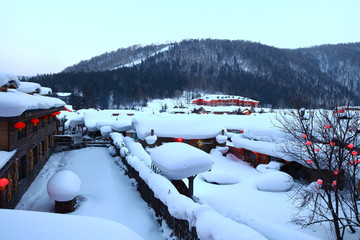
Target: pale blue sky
[(45, 36)]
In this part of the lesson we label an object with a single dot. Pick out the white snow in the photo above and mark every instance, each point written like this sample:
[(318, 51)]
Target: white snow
[(180, 160), (106, 192), (63, 186), (271, 166), (105, 131), (14, 103), (268, 148), (63, 94), (275, 181), (40, 225), (5, 78), (5, 157), (176, 126), (151, 139), (29, 87), (221, 138), (45, 91)]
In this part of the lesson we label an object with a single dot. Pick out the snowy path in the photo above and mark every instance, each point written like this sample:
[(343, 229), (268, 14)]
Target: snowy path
[(105, 192)]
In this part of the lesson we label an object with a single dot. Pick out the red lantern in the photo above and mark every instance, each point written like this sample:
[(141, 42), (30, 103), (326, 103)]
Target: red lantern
[(309, 161), (327, 126), (316, 149), (350, 145), (44, 117), (334, 183), (335, 172), (3, 183), (320, 181), (304, 136), (308, 143), (35, 121), (354, 153), (332, 143), (352, 163), (20, 125), (179, 139)]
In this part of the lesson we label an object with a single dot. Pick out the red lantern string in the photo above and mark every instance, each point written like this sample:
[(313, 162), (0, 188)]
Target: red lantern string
[(20, 125), (4, 182), (35, 121)]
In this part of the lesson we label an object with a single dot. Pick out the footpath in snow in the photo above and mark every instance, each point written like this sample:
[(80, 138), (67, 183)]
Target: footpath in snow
[(105, 191)]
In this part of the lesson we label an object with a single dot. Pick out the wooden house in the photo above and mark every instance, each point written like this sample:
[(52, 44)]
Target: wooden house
[(28, 124), (225, 100)]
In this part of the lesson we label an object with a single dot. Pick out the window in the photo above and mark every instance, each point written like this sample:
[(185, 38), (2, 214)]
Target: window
[(22, 168), (22, 133), (36, 155)]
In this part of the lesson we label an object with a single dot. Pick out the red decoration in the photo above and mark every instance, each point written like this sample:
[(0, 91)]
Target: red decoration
[(35, 121), (308, 143), (4, 182), (44, 117), (334, 183), (354, 153), (350, 145), (20, 125), (327, 126), (179, 139), (319, 181), (309, 161), (335, 172), (316, 149), (304, 136), (332, 143), (351, 162)]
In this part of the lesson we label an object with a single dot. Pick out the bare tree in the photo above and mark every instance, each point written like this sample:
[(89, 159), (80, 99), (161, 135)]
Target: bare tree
[(326, 143)]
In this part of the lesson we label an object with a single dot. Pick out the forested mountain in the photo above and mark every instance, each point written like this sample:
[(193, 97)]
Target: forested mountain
[(270, 75)]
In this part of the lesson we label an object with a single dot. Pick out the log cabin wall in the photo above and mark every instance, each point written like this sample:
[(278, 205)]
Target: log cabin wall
[(4, 136), (32, 153)]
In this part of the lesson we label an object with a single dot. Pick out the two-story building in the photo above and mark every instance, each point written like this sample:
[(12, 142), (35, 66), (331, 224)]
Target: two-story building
[(28, 124)]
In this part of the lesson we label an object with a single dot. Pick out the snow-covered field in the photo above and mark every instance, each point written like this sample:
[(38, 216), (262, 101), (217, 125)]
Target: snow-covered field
[(108, 194)]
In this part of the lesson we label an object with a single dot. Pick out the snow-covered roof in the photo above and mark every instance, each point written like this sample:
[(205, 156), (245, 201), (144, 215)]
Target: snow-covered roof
[(176, 126), (8, 78), (212, 97), (180, 160), (61, 226), (13, 103), (5, 157), (29, 87), (267, 148), (63, 94), (45, 91)]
